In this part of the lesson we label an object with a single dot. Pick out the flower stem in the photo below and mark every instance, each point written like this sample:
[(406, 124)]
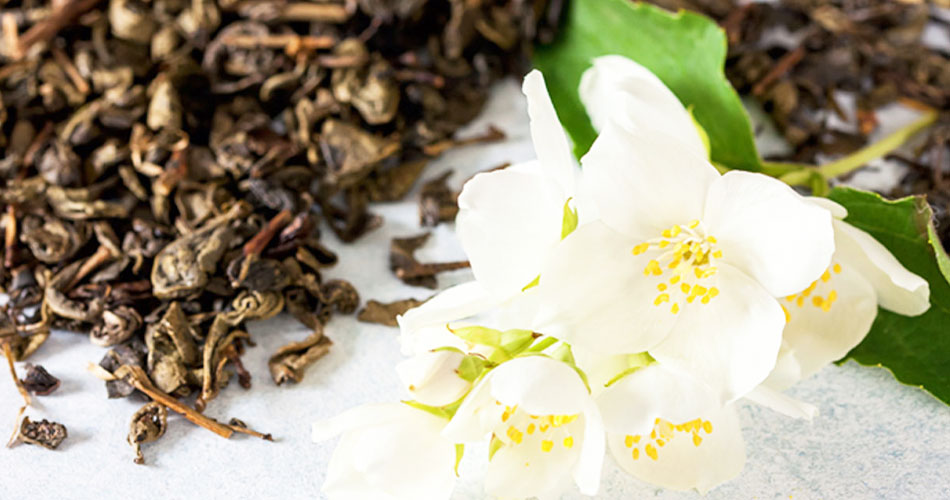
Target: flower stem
[(796, 174), (877, 150)]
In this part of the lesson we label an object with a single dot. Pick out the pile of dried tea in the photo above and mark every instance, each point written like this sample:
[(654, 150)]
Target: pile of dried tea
[(167, 165), (795, 56)]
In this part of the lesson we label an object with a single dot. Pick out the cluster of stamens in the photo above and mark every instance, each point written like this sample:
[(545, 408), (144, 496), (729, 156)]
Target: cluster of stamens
[(687, 255), (548, 430), (823, 303), (663, 433)]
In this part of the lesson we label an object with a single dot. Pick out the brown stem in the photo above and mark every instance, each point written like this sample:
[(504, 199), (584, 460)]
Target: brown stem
[(9, 239), (431, 269), (313, 12), (279, 42), (8, 353), (101, 256), (256, 245), (784, 64), (437, 148), (48, 28), (71, 71), (137, 377)]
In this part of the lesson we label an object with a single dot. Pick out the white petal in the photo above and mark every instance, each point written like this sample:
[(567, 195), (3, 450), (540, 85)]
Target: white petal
[(539, 386), (432, 379), (632, 404), (781, 403), (401, 456), (645, 182), (837, 211), (476, 416), (452, 304), (815, 337), (508, 221), (594, 294), (682, 465), (550, 142), (732, 342), (354, 418), (519, 472), (618, 88), (591, 461), (599, 368), (768, 231), (898, 289)]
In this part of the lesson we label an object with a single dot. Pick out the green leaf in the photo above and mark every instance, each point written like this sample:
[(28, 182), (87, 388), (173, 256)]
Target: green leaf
[(916, 350), (685, 50)]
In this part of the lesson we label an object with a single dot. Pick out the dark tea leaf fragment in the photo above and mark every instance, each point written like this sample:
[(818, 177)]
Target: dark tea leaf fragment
[(39, 381), (403, 263), (43, 433)]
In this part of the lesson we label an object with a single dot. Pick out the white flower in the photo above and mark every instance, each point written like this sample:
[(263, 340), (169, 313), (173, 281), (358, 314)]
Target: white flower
[(665, 428), (545, 429), (835, 312), (508, 220), (388, 452), (684, 263), (432, 377)]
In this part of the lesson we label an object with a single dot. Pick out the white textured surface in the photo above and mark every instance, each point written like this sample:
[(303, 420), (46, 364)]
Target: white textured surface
[(874, 438)]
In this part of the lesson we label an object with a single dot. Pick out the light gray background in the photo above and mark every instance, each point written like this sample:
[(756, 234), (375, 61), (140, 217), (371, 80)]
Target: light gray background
[(874, 438)]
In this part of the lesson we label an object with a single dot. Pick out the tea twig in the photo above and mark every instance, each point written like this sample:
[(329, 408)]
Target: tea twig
[(8, 353), (136, 376), (46, 29)]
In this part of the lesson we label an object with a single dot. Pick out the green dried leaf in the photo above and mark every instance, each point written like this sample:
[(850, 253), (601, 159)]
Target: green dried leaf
[(916, 350), (686, 51)]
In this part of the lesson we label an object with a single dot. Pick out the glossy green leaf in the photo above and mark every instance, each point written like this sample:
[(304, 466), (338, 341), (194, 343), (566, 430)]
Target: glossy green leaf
[(916, 350), (686, 51)]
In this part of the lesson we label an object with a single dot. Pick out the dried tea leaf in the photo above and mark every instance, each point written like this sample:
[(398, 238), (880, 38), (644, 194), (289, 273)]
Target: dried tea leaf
[(148, 424), (117, 325), (39, 381), (43, 433), (131, 354), (403, 263), (437, 203), (291, 360), (385, 313)]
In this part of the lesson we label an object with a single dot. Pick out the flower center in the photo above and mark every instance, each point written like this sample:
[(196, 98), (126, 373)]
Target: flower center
[(546, 431), (685, 257), (812, 294), (663, 433)]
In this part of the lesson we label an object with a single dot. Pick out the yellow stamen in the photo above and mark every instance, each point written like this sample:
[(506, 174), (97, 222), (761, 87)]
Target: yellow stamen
[(650, 450), (546, 445), (568, 442)]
